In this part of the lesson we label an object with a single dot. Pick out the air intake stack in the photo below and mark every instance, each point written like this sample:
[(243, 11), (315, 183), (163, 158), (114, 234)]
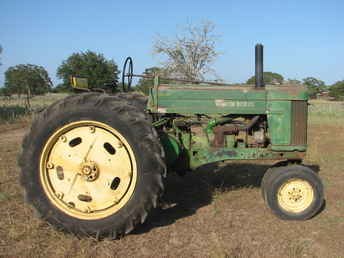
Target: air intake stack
[(259, 66)]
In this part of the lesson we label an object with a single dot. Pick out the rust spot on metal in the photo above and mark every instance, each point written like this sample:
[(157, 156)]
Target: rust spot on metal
[(300, 155), (299, 123), (293, 90), (220, 131), (226, 153), (295, 155), (229, 129)]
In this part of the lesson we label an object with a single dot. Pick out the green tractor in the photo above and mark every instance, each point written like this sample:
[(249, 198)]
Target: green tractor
[(94, 163)]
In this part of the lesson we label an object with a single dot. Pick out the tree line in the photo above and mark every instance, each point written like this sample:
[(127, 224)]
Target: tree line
[(188, 55), (34, 80)]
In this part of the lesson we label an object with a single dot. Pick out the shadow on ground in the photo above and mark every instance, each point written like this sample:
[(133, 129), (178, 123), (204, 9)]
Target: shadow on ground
[(185, 195)]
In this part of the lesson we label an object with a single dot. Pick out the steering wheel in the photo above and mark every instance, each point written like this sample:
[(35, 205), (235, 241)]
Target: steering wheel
[(127, 72)]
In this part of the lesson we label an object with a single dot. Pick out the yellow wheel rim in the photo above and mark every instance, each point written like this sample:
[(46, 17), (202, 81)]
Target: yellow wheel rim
[(88, 170), (295, 196)]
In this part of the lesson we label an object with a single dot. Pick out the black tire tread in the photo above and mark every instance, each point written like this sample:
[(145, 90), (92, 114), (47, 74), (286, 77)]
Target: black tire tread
[(135, 98), (123, 106), (268, 174), (297, 171)]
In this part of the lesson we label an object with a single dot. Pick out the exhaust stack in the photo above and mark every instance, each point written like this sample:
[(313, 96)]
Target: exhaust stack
[(259, 66)]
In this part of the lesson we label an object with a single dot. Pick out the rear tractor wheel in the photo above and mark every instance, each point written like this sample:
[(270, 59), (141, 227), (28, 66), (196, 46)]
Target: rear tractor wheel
[(92, 165)]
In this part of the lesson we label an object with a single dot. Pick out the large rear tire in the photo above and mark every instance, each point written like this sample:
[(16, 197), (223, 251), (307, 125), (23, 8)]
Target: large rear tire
[(136, 99), (92, 165)]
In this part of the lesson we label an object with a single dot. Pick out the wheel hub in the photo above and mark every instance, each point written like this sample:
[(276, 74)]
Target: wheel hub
[(90, 171), (296, 195)]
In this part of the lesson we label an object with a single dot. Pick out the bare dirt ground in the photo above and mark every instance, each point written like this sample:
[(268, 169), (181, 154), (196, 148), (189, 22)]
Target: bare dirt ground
[(216, 211)]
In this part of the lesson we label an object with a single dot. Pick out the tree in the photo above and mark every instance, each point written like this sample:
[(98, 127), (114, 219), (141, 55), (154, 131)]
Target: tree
[(98, 70), (27, 79), (5, 92), (145, 83), (313, 85), (191, 53), (337, 90), (293, 81), (269, 78)]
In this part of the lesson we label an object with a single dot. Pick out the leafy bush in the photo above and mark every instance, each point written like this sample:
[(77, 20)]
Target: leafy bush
[(91, 65), (337, 90), (269, 78), (27, 79), (314, 86)]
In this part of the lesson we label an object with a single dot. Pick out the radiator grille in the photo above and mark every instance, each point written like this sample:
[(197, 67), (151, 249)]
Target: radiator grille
[(299, 123)]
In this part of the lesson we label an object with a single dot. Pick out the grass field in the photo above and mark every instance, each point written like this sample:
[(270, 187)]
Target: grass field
[(215, 211), (330, 109), (14, 108)]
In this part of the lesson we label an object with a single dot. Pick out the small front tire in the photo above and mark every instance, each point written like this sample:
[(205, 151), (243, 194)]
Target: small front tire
[(294, 192)]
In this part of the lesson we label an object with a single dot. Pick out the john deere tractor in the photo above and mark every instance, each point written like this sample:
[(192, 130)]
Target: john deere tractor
[(94, 163)]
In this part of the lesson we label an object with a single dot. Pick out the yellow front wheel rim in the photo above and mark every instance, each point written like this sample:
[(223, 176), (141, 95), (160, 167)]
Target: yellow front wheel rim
[(295, 195), (88, 170)]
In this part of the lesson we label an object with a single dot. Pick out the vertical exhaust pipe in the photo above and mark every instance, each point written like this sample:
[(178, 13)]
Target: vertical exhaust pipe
[(259, 66)]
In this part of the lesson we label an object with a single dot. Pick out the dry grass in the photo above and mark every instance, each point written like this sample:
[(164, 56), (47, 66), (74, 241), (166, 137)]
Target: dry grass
[(14, 108), (322, 108), (36, 101), (216, 211)]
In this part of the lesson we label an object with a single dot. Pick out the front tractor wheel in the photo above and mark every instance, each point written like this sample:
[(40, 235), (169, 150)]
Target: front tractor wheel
[(92, 165), (293, 192)]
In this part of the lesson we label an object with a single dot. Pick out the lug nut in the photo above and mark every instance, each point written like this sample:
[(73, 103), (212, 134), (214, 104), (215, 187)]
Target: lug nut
[(50, 165), (92, 129), (63, 138), (59, 195), (119, 145), (87, 210)]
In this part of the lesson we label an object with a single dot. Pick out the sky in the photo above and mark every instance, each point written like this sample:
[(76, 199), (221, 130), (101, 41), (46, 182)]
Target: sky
[(301, 38)]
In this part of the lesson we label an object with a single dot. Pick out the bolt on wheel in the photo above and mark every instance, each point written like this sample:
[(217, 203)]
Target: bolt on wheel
[(88, 170)]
